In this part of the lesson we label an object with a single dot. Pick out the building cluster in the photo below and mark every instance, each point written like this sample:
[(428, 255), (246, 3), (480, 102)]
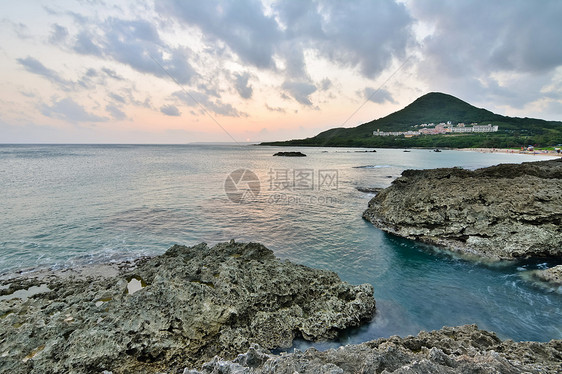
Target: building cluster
[(441, 128)]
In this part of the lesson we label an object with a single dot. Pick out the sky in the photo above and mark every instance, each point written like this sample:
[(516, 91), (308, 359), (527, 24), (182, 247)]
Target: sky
[(182, 71)]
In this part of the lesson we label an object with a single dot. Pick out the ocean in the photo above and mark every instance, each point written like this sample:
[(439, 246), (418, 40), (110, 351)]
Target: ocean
[(72, 205)]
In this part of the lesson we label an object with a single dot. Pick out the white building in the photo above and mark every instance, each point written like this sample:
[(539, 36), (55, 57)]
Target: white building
[(459, 129), (441, 128), (485, 128)]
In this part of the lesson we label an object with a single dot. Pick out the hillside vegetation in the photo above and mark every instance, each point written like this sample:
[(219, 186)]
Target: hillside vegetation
[(435, 108)]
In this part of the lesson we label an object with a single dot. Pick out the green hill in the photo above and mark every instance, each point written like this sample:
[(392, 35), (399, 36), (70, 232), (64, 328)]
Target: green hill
[(435, 108)]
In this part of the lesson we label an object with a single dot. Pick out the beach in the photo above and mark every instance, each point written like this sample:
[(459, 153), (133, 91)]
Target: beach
[(512, 151)]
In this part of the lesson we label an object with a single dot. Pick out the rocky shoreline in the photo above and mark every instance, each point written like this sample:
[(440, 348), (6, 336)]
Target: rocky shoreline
[(169, 312), (503, 212), (195, 310), (464, 349)]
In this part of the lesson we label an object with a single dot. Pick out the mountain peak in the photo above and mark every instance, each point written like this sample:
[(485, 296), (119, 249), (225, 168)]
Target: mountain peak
[(436, 98), (438, 107)]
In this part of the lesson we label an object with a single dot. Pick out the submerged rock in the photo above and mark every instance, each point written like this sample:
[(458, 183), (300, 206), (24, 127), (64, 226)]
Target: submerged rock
[(502, 212), (369, 189), (551, 275), (175, 310), (464, 349)]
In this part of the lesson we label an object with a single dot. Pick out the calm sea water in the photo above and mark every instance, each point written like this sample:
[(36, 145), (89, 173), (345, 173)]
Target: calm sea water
[(69, 205)]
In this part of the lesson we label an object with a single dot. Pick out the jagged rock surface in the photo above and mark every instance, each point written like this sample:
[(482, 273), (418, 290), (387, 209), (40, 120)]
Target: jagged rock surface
[(502, 212), (197, 302), (464, 349)]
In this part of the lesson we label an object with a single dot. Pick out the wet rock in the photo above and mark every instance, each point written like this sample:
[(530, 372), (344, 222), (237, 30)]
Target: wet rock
[(464, 349), (369, 189), (501, 212), (290, 154), (552, 275), (175, 310)]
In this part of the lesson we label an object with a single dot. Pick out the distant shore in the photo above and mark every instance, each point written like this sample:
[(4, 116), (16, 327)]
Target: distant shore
[(513, 151)]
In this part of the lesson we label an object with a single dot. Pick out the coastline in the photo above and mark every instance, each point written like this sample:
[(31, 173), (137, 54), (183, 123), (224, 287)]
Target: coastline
[(124, 332), (509, 151), (461, 349), (399, 261)]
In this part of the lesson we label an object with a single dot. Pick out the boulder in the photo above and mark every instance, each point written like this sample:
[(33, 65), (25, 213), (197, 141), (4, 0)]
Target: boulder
[(502, 212), (290, 154)]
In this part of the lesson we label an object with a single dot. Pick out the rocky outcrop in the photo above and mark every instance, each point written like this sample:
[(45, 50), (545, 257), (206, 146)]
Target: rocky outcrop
[(464, 349), (502, 212), (290, 154), (173, 311)]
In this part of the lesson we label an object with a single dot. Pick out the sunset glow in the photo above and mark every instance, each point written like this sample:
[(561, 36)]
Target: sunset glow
[(219, 71)]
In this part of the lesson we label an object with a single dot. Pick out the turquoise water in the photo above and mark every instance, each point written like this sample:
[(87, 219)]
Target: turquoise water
[(69, 205)]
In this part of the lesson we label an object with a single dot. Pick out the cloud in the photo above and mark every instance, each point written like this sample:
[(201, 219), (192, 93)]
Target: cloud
[(117, 98), (89, 80), (292, 54), (210, 89), (275, 109), (300, 18), (326, 84), (272, 37), (136, 43), (501, 36), (379, 96), (170, 110), (84, 44), (28, 94), (127, 96), (99, 77), (115, 112), (20, 29), (495, 54), (225, 109), (112, 74), (241, 84), (34, 66), (58, 34), (70, 111), (300, 91), (194, 98), (242, 25), (364, 34), (91, 72), (505, 52)]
